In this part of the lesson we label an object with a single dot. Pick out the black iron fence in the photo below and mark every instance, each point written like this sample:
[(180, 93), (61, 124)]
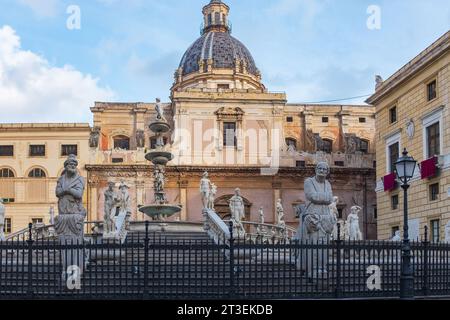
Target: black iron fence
[(192, 266)]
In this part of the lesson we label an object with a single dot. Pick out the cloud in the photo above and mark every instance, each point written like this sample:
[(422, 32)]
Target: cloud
[(31, 90), (42, 8)]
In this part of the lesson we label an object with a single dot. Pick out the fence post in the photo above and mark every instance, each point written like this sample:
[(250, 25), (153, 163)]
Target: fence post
[(30, 261), (425, 262), (146, 248), (231, 292), (338, 291)]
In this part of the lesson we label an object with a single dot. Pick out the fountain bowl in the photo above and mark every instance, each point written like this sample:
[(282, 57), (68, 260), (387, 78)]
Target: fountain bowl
[(159, 127), (159, 157), (160, 210)]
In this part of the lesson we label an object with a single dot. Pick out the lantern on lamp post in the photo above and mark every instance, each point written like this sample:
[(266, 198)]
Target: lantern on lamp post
[(405, 167)]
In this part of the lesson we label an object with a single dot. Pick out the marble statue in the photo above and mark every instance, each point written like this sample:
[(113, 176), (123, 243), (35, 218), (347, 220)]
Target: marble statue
[(237, 210), (260, 229), (159, 111), (317, 222), (351, 144), (447, 232), (280, 214), (69, 191), (110, 204), (205, 189), (334, 212), (212, 196), (125, 199), (354, 232), (291, 147), (140, 138), (52, 215), (94, 138), (2, 220), (261, 215), (397, 237), (378, 81)]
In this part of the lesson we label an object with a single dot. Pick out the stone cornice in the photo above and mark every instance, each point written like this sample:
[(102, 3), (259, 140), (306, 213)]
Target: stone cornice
[(433, 52)]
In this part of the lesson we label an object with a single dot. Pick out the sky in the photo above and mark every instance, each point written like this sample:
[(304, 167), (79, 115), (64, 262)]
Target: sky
[(54, 66)]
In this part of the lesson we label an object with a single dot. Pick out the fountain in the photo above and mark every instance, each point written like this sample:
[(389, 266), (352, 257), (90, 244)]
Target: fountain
[(161, 208)]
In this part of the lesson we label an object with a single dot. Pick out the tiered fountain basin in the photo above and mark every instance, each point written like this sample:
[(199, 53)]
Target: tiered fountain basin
[(160, 210), (160, 157)]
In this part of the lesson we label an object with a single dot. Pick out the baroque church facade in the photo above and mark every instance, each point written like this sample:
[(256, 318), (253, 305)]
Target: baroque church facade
[(225, 121)]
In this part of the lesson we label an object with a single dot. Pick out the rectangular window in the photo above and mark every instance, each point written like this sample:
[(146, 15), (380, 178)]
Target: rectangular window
[(229, 134), (393, 114), (7, 229), (37, 150), (37, 220), (362, 120), (435, 236), (68, 149), (339, 163), (394, 202), (6, 151), (117, 160), (364, 146), (433, 139), (300, 164), (375, 213), (8, 200), (434, 191), (289, 119), (431, 90), (223, 86), (394, 152), (325, 119)]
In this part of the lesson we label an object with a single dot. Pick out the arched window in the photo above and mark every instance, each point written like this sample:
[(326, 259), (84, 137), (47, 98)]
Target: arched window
[(37, 173), (6, 173), (292, 144), (327, 146), (364, 146), (122, 142)]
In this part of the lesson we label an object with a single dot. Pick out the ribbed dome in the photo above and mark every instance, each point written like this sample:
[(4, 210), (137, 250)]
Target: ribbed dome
[(222, 48)]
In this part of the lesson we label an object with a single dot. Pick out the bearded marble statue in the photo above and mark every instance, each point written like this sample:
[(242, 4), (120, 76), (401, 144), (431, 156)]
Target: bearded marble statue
[(69, 191)]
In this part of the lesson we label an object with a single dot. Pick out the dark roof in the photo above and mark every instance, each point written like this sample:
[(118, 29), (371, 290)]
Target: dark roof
[(222, 48)]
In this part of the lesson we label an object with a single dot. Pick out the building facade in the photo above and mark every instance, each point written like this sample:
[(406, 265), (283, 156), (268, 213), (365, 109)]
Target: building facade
[(31, 160), (225, 121), (412, 113)]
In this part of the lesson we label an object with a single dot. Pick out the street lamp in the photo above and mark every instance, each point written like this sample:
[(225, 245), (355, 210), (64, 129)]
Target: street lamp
[(405, 167)]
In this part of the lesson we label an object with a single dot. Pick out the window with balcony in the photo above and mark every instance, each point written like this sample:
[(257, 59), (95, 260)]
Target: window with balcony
[(431, 90), (229, 134), (6, 151), (37, 150), (122, 142), (68, 149), (394, 152), (433, 140)]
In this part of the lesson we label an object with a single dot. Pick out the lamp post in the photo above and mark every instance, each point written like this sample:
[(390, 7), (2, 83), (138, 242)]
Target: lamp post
[(405, 167)]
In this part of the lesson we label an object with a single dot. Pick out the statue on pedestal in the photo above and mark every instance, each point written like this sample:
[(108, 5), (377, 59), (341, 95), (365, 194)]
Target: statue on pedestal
[(125, 200), (317, 222), (159, 111), (212, 196), (354, 232), (110, 204), (2, 220), (205, 189), (397, 237), (237, 210), (280, 214), (69, 191)]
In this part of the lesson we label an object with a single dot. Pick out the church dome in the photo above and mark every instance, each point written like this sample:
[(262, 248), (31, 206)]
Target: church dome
[(224, 50)]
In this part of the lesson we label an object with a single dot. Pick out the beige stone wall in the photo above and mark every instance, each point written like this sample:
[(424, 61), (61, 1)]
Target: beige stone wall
[(410, 97), (34, 197)]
